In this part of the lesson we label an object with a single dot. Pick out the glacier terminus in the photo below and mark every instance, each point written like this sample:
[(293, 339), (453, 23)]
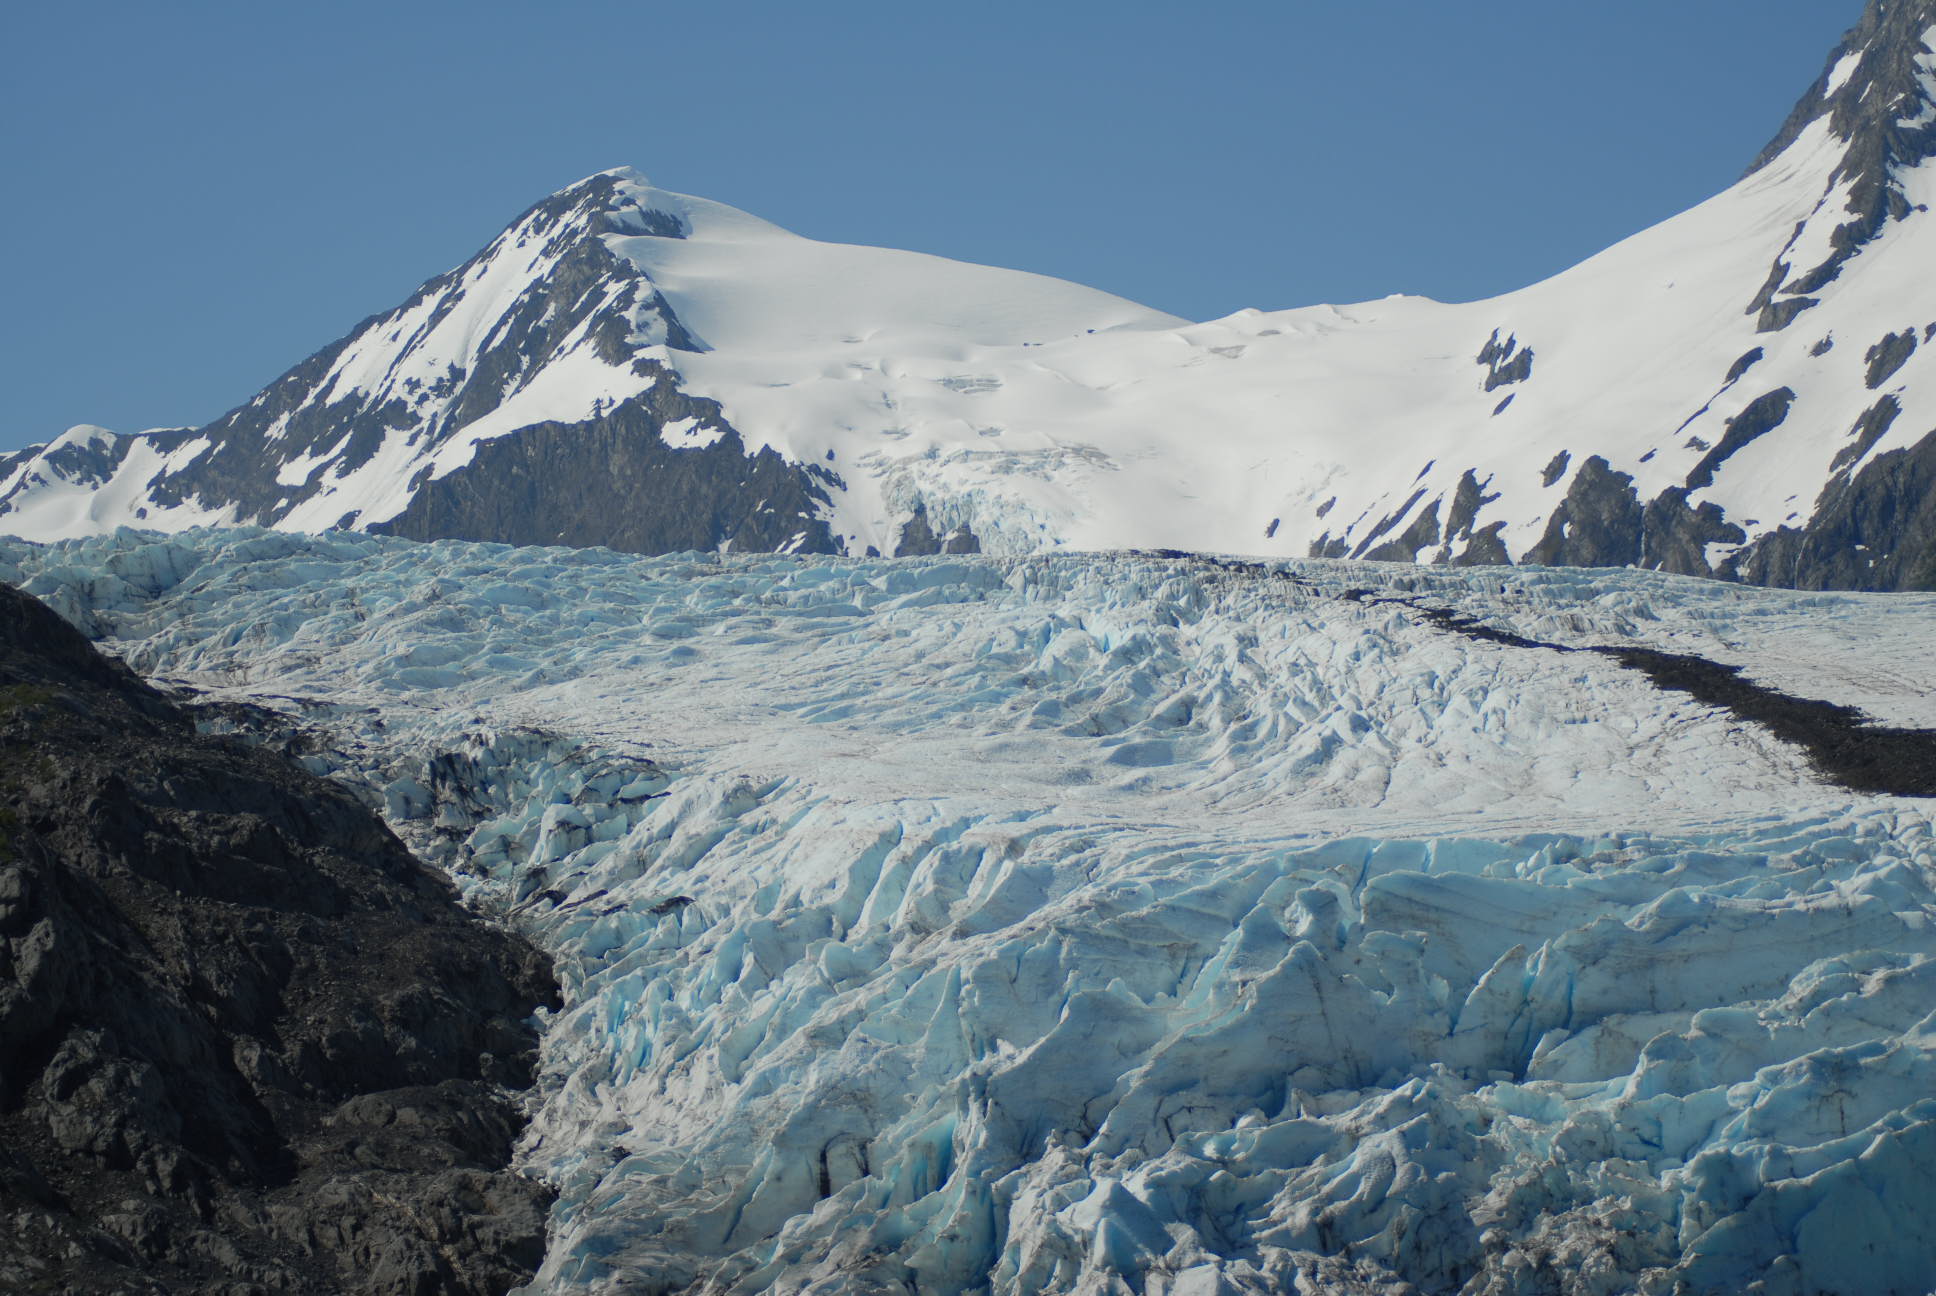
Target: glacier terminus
[(1129, 923)]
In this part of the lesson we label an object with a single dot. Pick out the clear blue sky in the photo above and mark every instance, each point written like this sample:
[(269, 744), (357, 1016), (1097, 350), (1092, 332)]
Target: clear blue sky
[(199, 194)]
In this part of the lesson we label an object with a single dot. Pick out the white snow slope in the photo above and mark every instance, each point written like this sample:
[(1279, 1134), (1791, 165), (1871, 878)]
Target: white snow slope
[(1104, 923), (1038, 414)]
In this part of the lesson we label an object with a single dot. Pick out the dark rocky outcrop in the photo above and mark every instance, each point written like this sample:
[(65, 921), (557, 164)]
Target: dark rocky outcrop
[(918, 538), (1869, 429), (1674, 537), (1506, 362), (1423, 531), (1598, 524), (1877, 110), (1482, 545), (1460, 540), (1873, 531), (248, 1044), (303, 411), (619, 478), (614, 481), (1889, 355), (1740, 367), (1762, 416), (1369, 545)]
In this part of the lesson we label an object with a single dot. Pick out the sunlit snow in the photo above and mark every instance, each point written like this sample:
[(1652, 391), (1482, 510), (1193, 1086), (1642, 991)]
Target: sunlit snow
[(1040, 414)]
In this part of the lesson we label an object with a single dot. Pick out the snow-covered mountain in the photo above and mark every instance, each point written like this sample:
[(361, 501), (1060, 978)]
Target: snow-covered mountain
[(1111, 924), (1738, 391)]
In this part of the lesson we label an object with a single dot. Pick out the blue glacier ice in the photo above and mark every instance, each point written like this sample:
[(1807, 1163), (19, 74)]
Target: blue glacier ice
[(1114, 923)]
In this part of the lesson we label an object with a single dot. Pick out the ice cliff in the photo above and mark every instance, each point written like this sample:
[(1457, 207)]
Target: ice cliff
[(1117, 923)]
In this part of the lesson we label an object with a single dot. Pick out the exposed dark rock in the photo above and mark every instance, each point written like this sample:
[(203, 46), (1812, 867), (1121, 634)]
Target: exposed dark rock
[(1777, 276), (1875, 531), (1370, 542), (1745, 363), (1889, 355), (1877, 110), (1823, 347), (1776, 316), (1506, 362), (247, 1042), (1762, 416), (92, 462), (1482, 548), (917, 538), (88, 463), (1555, 469), (1598, 524), (589, 292), (1674, 537), (613, 481), (1423, 531), (1869, 429), (1467, 500)]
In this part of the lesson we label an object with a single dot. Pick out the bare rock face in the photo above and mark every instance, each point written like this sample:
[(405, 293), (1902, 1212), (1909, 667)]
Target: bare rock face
[(1875, 108), (247, 1042)]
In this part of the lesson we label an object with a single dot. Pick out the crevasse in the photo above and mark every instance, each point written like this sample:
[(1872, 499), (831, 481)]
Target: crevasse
[(1105, 923)]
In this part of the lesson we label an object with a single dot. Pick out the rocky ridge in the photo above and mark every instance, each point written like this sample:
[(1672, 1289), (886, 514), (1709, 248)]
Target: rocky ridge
[(1737, 393), (248, 1044)]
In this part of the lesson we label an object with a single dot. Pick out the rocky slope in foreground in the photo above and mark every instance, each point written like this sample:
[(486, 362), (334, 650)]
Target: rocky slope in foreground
[(247, 1042)]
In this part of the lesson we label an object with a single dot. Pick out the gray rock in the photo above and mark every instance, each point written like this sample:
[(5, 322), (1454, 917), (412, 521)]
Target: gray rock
[(247, 1042), (1674, 537), (1506, 362), (1598, 524), (1762, 416), (1884, 138), (613, 481), (1889, 355), (1873, 531)]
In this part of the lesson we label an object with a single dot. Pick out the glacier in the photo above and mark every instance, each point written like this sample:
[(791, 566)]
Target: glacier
[(1128, 922)]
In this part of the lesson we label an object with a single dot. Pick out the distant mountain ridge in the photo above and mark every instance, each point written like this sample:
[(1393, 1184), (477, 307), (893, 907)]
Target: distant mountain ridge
[(1737, 392)]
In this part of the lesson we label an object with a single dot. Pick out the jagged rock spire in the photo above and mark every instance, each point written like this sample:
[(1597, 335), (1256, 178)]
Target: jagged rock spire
[(1878, 95)]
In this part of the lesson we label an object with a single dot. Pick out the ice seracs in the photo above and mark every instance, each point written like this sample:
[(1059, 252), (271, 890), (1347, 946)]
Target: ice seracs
[(1115, 923)]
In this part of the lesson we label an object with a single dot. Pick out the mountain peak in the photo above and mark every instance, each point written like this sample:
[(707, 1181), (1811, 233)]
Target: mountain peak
[(632, 367), (1874, 110), (1877, 91)]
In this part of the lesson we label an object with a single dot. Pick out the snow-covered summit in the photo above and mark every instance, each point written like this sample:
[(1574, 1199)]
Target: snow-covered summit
[(1738, 391)]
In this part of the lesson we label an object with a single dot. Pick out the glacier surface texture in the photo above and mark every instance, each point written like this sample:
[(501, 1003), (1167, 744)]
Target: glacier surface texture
[(1116, 923)]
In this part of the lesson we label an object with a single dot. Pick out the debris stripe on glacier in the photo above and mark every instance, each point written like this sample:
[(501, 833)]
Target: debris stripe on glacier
[(1012, 1005)]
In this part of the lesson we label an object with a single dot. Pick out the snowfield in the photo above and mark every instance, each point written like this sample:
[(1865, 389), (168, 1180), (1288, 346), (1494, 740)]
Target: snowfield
[(1118, 923), (1037, 415)]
